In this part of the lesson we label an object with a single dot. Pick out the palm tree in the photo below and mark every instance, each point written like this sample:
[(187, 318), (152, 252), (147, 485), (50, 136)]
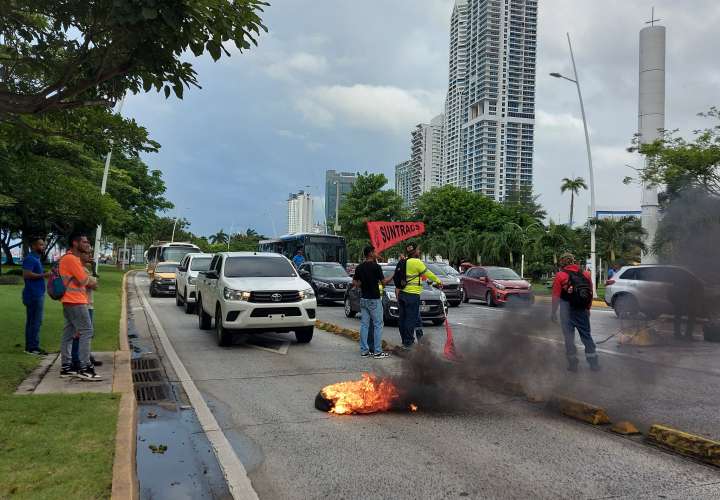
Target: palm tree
[(219, 237), (620, 237), (574, 186), (555, 238)]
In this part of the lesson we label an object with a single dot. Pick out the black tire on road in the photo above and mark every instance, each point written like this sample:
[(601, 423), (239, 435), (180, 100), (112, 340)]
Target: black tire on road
[(349, 313), (438, 322), (465, 299), (304, 335), (204, 319), (178, 297), (153, 293), (224, 336), (490, 300), (189, 306), (455, 303), (626, 306)]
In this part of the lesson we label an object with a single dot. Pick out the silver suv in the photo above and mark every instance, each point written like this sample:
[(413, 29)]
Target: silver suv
[(645, 289)]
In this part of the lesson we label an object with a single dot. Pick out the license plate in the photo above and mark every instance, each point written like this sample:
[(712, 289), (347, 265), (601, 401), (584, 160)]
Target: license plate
[(424, 309)]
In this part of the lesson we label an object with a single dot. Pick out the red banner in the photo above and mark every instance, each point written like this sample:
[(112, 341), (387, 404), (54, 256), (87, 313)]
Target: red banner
[(384, 235)]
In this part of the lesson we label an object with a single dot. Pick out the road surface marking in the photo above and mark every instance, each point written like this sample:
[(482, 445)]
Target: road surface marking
[(234, 471)]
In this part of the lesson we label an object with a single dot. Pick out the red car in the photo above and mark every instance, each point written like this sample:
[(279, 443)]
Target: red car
[(495, 285)]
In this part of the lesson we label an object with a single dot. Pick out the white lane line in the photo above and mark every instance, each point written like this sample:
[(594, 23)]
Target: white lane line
[(234, 471)]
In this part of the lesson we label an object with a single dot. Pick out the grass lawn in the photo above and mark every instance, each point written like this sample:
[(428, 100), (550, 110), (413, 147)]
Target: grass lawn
[(55, 446)]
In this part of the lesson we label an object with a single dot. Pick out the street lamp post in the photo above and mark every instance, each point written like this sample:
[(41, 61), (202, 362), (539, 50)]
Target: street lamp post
[(103, 188), (576, 81), (337, 207)]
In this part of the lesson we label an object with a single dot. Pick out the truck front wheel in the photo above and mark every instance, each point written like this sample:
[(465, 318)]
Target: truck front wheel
[(304, 335), (204, 319), (224, 336)]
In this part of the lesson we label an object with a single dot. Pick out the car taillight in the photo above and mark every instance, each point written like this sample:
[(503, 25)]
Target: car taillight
[(609, 282)]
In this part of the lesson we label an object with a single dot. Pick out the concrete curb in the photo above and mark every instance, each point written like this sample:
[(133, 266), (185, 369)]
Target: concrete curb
[(124, 481), (597, 304), (684, 443), (580, 410), (351, 334), (29, 385)]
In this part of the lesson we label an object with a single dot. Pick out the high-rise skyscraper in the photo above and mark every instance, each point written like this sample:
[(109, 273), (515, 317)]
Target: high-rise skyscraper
[(490, 105), (424, 170), (336, 183), (300, 212)]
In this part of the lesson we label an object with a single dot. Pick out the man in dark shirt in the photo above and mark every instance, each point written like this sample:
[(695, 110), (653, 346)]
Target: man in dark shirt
[(33, 295), (369, 278)]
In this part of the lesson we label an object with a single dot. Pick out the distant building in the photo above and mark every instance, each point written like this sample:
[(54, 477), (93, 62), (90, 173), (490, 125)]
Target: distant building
[(336, 183), (603, 212), (402, 180), (490, 104), (425, 169), (300, 212)]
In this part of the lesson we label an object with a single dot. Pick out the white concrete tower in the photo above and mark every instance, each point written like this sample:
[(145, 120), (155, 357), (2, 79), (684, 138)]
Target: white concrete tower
[(651, 119)]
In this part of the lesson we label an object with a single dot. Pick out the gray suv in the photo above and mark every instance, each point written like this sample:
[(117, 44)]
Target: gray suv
[(645, 289)]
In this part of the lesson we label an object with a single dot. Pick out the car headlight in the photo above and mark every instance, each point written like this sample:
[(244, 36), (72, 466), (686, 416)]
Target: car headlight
[(307, 294), (530, 286), (231, 294), (321, 284), (391, 294), (191, 280), (499, 286), (443, 297)]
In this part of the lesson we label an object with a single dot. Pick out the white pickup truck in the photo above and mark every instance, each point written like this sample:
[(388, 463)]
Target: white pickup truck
[(253, 292)]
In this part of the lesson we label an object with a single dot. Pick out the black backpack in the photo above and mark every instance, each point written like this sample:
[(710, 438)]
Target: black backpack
[(579, 290), (400, 275)]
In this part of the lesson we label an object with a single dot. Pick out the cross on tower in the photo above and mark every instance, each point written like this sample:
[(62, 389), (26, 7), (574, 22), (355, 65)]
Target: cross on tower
[(652, 20)]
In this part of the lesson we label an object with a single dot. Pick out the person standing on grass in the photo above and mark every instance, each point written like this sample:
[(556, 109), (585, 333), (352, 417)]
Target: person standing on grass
[(87, 260), (75, 310), (33, 295), (369, 278), (572, 294)]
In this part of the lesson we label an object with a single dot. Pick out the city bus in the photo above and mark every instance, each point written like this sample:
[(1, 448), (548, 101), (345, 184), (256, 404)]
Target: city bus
[(168, 252), (317, 247)]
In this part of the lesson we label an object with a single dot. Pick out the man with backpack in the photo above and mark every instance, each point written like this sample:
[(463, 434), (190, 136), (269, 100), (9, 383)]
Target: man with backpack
[(572, 293), (33, 295), (408, 277), (75, 310)]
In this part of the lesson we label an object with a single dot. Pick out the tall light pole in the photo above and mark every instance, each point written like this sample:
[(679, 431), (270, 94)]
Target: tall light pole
[(337, 206), (576, 81), (103, 187)]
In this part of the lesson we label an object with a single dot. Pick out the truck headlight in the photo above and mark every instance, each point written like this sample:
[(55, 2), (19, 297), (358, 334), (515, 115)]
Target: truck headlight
[(231, 294), (443, 297), (191, 280), (307, 294)]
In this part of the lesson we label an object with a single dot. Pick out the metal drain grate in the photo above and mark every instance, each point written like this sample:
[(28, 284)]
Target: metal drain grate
[(151, 393), (145, 364), (147, 376)]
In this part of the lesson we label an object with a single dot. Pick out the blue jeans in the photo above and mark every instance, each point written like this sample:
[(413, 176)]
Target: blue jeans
[(34, 315), (410, 322), (371, 311), (570, 320), (76, 343)]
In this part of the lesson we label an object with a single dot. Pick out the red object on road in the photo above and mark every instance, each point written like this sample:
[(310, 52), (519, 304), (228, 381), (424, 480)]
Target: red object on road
[(449, 350)]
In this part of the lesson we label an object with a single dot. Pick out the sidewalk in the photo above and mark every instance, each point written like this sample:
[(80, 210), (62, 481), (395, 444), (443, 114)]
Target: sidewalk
[(46, 378)]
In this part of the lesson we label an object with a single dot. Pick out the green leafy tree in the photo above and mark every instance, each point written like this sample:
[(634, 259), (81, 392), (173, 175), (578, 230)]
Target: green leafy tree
[(620, 238), (367, 201), (524, 207), (66, 55), (574, 186), (219, 237), (684, 165)]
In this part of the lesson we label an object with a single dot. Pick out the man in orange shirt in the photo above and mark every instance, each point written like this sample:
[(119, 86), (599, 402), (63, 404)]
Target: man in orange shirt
[(75, 310)]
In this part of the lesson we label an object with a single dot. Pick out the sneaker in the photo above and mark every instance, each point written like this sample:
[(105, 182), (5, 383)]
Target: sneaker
[(68, 371), (572, 365), (88, 374), (95, 362), (594, 364), (37, 352), (364, 354), (381, 355)]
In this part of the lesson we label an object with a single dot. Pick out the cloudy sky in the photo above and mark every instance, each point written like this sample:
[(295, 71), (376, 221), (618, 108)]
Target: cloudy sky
[(339, 84)]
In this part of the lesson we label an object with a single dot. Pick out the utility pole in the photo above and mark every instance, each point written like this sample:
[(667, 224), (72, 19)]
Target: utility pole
[(103, 187), (337, 207)]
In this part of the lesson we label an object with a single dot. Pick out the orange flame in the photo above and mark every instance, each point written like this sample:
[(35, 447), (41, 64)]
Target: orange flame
[(367, 395)]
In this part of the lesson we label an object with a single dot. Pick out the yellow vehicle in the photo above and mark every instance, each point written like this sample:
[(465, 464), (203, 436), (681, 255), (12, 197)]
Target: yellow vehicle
[(162, 279)]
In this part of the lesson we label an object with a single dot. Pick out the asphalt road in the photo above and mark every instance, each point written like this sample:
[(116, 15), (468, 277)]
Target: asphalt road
[(496, 447)]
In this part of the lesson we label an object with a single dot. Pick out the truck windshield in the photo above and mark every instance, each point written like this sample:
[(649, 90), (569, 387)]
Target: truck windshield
[(258, 267), (200, 263), (176, 254)]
